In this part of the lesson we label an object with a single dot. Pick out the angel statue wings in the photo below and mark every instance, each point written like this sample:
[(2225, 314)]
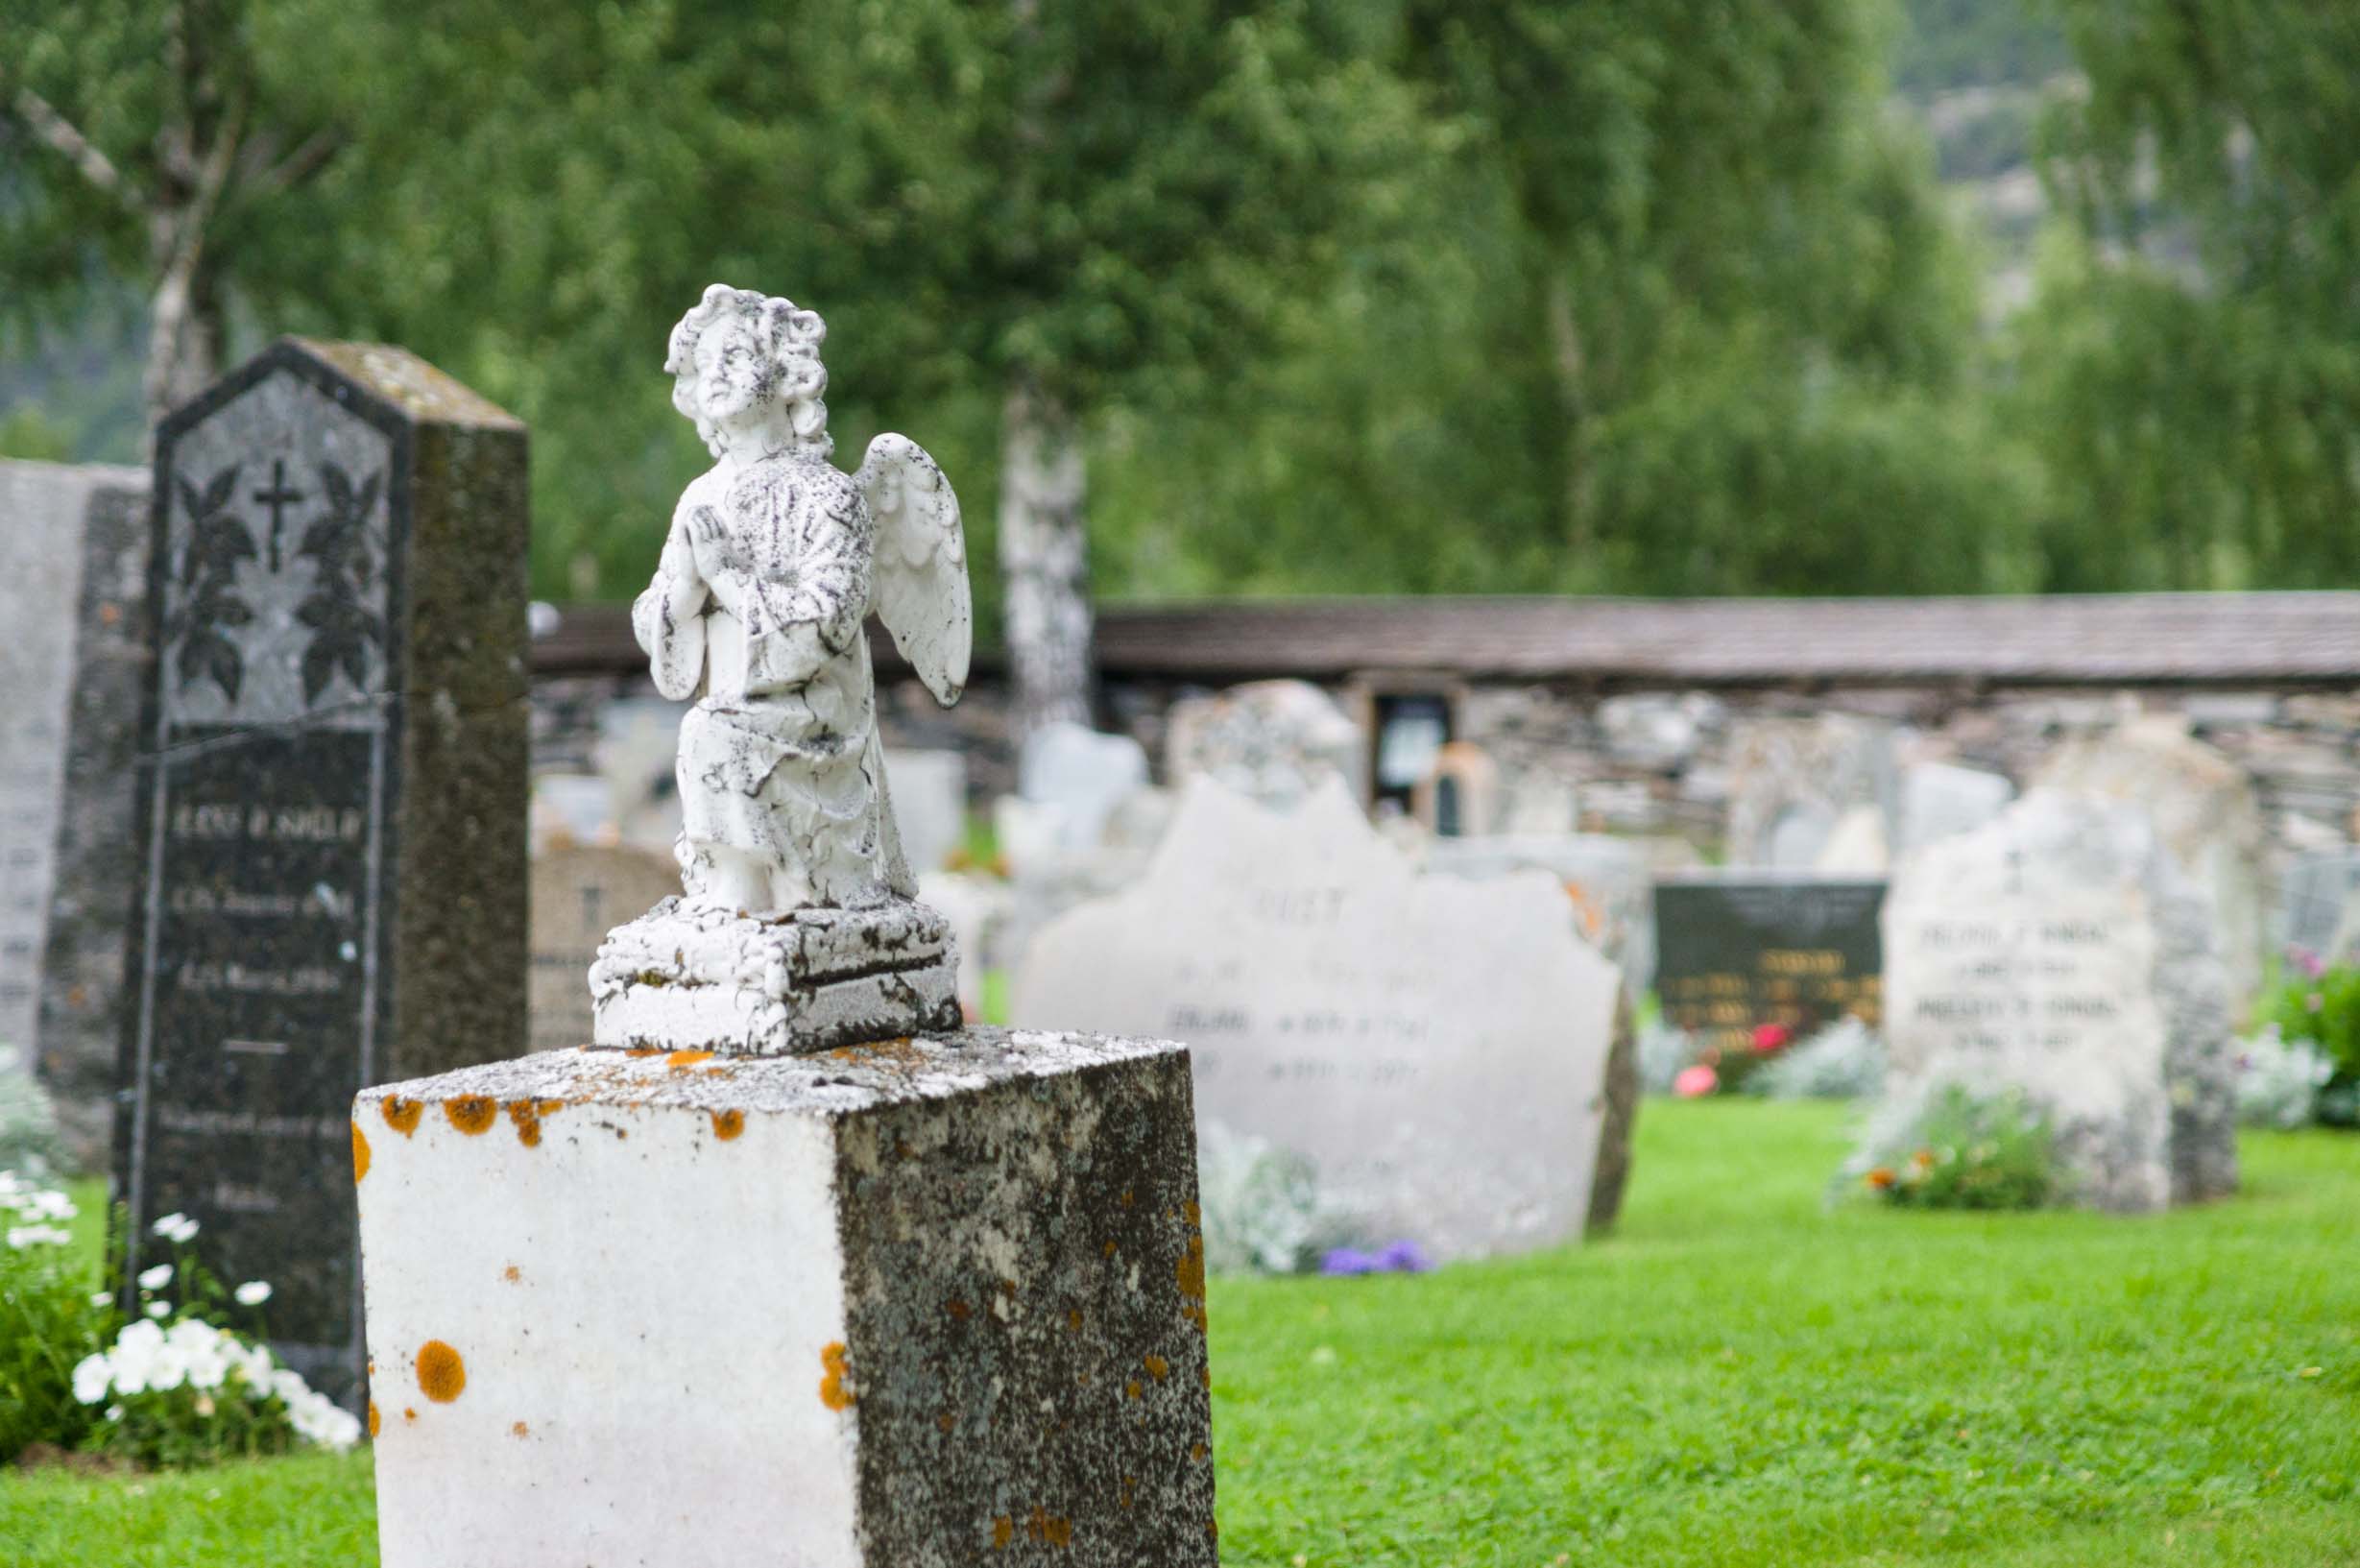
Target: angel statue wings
[(775, 560)]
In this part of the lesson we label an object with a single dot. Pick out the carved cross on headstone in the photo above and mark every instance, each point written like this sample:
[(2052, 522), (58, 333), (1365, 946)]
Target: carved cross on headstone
[(277, 497)]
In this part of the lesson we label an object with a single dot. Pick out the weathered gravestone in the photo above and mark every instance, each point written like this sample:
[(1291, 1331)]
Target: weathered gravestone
[(72, 556), (331, 803), (930, 801), (1941, 799), (1273, 741), (1078, 776), (1792, 780), (581, 892), (2203, 811), (1434, 1047), (2059, 950), (1736, 951)]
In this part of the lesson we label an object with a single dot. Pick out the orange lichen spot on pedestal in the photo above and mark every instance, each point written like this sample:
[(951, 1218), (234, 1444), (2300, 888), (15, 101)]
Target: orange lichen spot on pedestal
[(441, 1372), (374, 1420), (360, 1155), (1003, 1530), (513, 1274), (472, 1113), (835, 1388), (401, 1115), (680, 1059), (1157, 1367), (519, 1429), (728, 1125), (526, 1115), (1190, 1273), (1049, 1529)]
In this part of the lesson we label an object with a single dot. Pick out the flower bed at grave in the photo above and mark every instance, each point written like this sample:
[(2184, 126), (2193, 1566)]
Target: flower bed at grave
[(2318, 1005), (167, 1388)]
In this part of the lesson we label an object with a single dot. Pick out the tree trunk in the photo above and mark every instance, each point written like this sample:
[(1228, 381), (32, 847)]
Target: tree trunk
[(1043, 560), (1566, 361), (184, 330)]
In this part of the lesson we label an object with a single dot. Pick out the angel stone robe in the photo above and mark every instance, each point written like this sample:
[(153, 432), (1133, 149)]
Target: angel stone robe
[(782, 774)]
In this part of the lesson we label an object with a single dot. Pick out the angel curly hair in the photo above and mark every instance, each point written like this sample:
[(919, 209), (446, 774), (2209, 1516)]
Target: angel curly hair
[(785, 340)]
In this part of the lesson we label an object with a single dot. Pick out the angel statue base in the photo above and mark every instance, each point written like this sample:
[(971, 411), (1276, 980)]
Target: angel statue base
[(796, 929)]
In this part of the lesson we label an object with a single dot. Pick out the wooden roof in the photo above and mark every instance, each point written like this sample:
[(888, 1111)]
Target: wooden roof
[(2131, 638)]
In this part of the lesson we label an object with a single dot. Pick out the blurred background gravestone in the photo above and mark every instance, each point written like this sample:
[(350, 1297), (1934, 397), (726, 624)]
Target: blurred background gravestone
[(929, 805), (1432, 1049), (73, 582), (1793, 781), (331, 805), (2058, 950), (2201, 807), (1269, 741), (1736, 951), (580, 893)]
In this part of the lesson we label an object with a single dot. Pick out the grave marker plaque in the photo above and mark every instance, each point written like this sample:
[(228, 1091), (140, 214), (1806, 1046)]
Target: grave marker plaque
[(331, 805), (1734, 953)]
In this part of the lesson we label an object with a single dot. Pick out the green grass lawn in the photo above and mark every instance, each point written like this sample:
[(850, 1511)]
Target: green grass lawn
[(1738, 1377)]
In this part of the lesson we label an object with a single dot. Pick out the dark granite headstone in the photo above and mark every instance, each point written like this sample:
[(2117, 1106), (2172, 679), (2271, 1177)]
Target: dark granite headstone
[(331, 805), (1734, 953)]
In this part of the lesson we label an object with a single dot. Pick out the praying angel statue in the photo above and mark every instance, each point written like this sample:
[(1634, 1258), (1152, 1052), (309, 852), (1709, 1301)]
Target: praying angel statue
[(775, 560)]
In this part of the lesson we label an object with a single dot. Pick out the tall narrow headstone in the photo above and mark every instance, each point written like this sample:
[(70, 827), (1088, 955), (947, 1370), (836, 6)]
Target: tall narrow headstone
[(73, 572), (331, 810)]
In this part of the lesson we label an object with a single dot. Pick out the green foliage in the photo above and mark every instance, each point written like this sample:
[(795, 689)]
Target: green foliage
[(2324, 1009), (2192, 370), (48, 1320), (1968, 1152)]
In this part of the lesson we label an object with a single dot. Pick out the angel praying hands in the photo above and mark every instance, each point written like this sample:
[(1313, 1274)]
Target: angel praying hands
[(774, 562)]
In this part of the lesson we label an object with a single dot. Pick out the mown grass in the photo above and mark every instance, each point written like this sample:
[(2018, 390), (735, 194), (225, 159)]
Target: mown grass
[(1738, 1377)]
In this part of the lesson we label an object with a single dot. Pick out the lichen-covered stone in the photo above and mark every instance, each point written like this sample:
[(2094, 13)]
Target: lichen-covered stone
[(911, 1303)]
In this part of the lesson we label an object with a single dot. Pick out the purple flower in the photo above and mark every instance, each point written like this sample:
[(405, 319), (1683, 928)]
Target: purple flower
[(2310, 963), (1405, 1258), (1348, 1259)]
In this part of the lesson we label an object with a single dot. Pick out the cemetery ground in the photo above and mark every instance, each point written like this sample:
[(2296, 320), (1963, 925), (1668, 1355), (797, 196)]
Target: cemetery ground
[(1740, 1376)]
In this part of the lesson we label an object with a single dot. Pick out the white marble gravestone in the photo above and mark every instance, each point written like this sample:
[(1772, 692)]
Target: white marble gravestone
[(1435, 1046), (929, 804), (2204, 809), (1081, 776), (1940, 799), (1791, 781), (2057, 950)]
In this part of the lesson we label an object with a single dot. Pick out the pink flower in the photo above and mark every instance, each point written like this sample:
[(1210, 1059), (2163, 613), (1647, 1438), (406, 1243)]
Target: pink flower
[(1768, 1037), (1694, 1081)]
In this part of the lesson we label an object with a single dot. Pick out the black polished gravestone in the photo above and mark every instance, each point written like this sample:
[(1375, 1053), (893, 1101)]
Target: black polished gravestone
[(1736, 953), (331, 813)]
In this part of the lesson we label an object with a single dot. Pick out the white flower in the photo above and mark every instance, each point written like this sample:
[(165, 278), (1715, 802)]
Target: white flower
[(100, 1298), (290, 1387), (170, 1372), (176, 1228), (155, 1278), (50, 1206), (253, 1363), (254, 1292), (160, 1308), (136, 1352), (114, 1413), (318, 1420), (91, 1375), (22, 1237)]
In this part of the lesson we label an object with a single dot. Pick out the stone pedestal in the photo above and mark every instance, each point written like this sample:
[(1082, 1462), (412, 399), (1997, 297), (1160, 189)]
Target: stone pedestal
[(924, 1302), (770, 984)]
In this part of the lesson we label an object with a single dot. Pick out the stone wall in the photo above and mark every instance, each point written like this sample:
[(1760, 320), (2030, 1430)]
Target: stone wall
[(1659, 763)]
